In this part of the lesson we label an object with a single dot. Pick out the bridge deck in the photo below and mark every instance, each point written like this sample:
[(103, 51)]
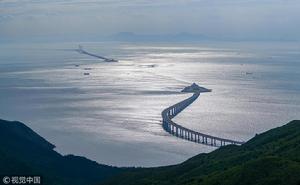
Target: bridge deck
[(80, 50), (188, 134)]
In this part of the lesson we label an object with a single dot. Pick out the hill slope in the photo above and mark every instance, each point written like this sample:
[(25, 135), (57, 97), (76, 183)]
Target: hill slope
[(269, 158), (24, 152)]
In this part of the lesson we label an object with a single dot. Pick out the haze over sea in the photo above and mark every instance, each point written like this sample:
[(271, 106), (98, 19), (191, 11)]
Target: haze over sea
[(113, 115)]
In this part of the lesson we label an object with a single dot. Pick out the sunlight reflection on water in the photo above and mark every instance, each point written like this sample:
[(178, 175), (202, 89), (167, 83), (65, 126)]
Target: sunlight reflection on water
[(113, 116)]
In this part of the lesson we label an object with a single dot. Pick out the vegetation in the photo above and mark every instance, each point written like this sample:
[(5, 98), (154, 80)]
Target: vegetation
[(271, 158), (23, 152)]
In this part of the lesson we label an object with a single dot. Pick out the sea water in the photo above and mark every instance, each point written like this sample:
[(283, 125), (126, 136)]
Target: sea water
[(111, 112)]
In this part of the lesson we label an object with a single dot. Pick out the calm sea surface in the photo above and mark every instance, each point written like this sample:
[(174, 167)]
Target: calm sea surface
[(113, 115)]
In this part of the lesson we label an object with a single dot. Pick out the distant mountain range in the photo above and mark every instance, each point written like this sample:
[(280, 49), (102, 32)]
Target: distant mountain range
[(129, 36), (185, 37), (270, 158), (137, 37)]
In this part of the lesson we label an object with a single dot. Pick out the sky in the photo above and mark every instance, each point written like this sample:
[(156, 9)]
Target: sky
[(233, 19)]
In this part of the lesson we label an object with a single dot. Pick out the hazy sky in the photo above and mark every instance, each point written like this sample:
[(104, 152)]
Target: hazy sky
[(216, 18)]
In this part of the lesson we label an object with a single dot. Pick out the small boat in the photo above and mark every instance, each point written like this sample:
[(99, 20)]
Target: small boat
[(86, 73)]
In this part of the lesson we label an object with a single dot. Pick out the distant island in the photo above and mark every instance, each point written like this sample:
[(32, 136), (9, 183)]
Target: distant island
[(271, 158)]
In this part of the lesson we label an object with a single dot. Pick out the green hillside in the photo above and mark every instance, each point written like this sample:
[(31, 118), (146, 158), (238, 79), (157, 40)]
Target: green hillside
[(24, 152), (271, 158)]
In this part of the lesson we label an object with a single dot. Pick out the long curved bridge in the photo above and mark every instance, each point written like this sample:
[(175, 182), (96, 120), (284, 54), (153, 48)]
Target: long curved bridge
[(82, 51), (188, 134)]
